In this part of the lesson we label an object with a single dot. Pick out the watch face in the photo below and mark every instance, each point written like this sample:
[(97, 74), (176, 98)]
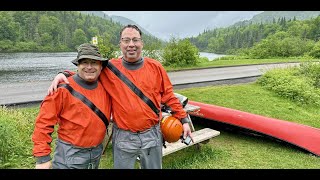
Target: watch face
[(187, 141)]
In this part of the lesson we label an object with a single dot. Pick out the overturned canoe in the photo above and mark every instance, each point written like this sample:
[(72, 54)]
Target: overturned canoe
[(303, 136)]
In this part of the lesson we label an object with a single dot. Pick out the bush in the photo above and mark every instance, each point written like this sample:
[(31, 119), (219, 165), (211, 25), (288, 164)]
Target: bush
[(154, 54), (203, 60), (292, 84), (315, 51), (180, 53), (311, 70), (5, 45), (25, 46)]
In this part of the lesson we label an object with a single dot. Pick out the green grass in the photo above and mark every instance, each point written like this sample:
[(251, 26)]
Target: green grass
[(236, 151)]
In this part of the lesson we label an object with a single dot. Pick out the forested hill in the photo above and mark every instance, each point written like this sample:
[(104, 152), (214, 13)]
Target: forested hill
[(54, 31), (287, 33), (272, 16), (96, 13)]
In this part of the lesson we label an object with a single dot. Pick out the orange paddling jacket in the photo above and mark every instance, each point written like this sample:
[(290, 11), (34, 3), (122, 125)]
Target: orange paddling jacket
[(129, 112), (78, 124)]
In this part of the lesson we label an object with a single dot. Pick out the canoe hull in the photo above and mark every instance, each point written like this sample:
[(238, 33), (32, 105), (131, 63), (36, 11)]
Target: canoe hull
[(305, 137)]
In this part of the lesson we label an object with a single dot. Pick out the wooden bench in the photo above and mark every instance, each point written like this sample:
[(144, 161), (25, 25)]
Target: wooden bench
[(202, 135)]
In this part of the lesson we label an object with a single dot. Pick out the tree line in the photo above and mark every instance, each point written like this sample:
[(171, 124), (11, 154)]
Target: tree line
[(280, 38), (56, 31)]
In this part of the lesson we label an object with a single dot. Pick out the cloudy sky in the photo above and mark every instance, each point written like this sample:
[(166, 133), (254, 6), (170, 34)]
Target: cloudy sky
[(181, 24)]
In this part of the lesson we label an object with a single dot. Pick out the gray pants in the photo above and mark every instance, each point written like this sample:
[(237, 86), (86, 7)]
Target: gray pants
[(67, 156), (128, 146)]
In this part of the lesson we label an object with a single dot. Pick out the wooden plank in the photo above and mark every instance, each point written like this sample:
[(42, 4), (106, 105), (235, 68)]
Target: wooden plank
[(198, 136)]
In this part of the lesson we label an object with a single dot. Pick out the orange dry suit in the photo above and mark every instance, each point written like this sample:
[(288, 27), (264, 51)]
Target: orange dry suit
[(78, 124), (129, 112)]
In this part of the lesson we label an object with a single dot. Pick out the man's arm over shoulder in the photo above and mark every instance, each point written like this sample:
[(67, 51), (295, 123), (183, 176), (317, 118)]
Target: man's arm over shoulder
[(61, 77)]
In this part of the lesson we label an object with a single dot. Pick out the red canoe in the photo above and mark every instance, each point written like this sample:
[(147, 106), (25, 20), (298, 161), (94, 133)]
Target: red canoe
[(305, 137)]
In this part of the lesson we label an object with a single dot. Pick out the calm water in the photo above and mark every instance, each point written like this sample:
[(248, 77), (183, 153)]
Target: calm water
[(22, 67), (210, 56)]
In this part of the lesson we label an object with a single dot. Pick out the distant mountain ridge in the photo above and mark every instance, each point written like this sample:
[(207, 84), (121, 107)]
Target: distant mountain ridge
[(125, 21), (122, 20), (269, 16)]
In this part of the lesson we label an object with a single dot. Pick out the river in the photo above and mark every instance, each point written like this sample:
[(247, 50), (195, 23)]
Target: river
[(210, 56), (28, 67), (25, 67)]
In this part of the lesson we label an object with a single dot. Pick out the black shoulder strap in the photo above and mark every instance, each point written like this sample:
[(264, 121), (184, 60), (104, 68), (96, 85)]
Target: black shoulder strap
[(86, 102), (133, 87)]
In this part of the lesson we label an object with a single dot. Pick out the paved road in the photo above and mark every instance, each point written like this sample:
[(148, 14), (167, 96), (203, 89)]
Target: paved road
[(17, 93)]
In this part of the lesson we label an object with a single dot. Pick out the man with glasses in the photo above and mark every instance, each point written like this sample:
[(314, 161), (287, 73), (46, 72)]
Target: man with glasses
[(74, 107), (136, 129)]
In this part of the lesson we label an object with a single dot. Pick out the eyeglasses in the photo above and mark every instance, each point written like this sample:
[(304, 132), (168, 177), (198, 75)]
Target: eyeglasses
[(134, 40)]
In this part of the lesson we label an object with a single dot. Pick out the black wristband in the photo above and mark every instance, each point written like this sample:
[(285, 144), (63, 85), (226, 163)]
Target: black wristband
[(185, 120), (64, 73)]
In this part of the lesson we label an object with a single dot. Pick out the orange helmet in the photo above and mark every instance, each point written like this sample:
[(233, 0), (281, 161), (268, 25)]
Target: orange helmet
[(171, 129)]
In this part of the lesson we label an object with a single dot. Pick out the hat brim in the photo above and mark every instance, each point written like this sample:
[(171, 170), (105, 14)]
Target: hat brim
[(76, 61)]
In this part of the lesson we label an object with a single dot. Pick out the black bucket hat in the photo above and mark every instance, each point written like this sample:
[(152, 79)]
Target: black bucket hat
[(89, 51)]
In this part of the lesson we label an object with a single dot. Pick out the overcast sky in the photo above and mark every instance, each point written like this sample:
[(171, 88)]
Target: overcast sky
[(181, 24)]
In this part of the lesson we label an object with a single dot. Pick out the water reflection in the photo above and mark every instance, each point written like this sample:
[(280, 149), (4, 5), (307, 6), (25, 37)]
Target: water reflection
[(22, 67), (210, 56)]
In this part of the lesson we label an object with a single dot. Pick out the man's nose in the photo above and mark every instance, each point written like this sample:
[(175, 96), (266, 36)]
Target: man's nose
[(89, 65), (131, 43)]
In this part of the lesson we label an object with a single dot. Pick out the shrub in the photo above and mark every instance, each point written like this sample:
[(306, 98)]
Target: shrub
[(315, 51), (311, 70), (5, 45), (292, 84), (180, 53)]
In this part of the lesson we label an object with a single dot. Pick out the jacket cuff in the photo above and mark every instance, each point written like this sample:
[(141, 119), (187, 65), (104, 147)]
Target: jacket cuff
[(43, 159), (185, 120)]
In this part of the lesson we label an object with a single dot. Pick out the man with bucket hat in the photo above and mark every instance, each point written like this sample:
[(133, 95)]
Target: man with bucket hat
[(82, 109)]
